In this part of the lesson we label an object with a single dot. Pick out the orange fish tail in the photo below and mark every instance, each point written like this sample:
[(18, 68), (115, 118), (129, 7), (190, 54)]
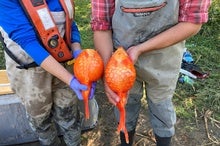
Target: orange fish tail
[(126, 136), (85, 95), (122, 123)]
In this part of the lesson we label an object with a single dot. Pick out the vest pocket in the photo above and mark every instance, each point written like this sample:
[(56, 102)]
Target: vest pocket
[(130, 6)]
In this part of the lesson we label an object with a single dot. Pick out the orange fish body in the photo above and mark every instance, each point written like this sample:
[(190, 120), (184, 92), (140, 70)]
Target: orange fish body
[(88, 67), (120, 76)]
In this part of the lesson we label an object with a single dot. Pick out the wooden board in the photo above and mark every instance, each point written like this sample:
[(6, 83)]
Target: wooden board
[(4, 83)]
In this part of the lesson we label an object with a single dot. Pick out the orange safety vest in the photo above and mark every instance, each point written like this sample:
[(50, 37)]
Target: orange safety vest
[(48, 33)]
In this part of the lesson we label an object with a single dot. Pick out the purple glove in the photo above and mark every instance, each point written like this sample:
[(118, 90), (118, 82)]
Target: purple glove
[(92, 90), (76, 53), (77, 87)]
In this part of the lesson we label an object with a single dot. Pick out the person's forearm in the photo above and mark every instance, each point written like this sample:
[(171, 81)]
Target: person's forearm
[(103, 44), (56, 69), (176, 34)]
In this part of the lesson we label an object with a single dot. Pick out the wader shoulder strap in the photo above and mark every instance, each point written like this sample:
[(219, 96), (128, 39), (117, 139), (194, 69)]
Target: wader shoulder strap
[(10, 54), (47, 31)]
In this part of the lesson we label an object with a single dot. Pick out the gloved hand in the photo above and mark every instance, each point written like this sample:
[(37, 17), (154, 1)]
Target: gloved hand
[(76, 53), (92, 90), (77, 87)]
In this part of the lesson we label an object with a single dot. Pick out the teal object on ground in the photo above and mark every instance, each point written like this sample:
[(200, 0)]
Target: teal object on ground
[(186, 79)]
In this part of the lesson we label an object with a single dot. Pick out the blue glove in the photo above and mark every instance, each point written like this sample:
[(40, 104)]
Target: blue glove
[(76, 53), (77, 87), (92, 90)]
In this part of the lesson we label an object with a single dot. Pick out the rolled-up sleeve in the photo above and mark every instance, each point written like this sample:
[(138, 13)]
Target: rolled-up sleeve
[(102, 11), (195, 11)]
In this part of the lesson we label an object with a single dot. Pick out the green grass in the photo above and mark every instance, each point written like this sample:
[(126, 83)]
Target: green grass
[(82, 16), (205, 48)]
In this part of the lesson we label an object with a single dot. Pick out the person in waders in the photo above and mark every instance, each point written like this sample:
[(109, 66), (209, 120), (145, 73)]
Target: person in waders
[(40, 37), (153, 32)]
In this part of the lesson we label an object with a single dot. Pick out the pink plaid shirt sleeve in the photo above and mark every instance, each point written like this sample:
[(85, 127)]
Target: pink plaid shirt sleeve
[(194, 11), (102, 11)]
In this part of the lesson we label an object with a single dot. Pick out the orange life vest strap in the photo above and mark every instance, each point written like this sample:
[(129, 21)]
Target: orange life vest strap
[(68, 4), (42, 20)]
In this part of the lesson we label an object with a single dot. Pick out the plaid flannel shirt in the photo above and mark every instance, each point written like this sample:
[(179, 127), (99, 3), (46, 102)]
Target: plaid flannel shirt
[(194, 11)]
